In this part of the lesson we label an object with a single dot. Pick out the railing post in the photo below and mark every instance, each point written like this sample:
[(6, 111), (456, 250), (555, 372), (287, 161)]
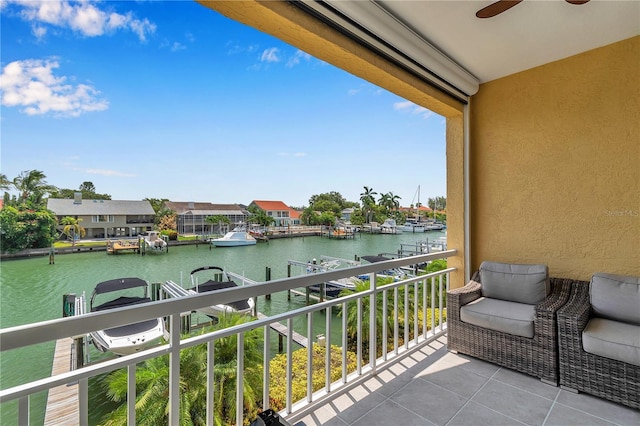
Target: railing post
[(373, 332), (268, 278), (174, 370)]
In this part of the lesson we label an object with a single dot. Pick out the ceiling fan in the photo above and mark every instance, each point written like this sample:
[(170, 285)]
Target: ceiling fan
[(500, 6)]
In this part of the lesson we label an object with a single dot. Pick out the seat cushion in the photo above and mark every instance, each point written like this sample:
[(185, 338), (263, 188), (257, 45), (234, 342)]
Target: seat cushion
[(500, 315), (612, 339), (616, 297), (515, 283)]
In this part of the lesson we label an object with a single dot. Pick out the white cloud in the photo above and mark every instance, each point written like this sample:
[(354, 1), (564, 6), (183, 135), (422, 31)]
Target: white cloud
[(31, 84), (270, 55), (297, 57), (83, 17), (177, 46), (412, 108)]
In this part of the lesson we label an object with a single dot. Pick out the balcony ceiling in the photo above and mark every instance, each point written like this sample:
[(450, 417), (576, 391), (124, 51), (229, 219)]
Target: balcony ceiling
[(530, 34)]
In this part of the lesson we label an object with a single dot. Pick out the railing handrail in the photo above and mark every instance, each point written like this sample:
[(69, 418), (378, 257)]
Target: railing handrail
[(46, 331)]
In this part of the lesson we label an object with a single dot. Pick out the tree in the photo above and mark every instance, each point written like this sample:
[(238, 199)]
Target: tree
[(32, 186), (390, 202), (219, 220), (368, 201), (87, 187), (22, 229), (152, 382), (72, 227), (260, 217), (5, 183)]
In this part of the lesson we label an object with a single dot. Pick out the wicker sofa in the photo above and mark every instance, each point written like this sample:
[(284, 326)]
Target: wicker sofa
[(534, 352), (599, 339)]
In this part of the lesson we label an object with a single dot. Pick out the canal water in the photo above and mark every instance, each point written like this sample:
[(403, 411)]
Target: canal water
[(31, 290)]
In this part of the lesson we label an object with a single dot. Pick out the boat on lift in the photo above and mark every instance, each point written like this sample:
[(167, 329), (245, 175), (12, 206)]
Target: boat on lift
[(154, 243), (130, 338), (207, 279)]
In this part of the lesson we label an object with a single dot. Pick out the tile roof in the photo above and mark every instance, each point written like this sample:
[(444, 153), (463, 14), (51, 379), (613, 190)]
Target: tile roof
[(272, 205)]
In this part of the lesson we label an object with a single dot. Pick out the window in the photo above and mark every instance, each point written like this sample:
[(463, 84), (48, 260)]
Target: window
[(102, 218)]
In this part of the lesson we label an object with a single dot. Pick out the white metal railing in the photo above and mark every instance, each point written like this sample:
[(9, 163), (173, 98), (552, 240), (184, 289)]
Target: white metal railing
[(425, 287)]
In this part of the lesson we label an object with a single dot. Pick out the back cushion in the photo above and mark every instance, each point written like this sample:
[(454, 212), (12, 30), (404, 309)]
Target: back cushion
[(616, 297), (515, 283)]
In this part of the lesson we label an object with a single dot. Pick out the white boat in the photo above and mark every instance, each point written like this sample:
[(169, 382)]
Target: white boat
[(214, 278), (390, 227), (131, 338), (432, 225), (412, 226), (237, 237), (154, 243)]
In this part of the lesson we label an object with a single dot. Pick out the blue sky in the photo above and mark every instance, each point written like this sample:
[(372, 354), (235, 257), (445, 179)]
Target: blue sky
[(173, 100)]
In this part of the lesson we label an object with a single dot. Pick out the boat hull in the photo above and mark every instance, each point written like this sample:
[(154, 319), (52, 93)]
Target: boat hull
[(231, 243), (125, 341)]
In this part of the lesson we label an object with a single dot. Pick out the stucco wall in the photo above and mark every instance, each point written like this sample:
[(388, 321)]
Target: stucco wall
[(555, 165)]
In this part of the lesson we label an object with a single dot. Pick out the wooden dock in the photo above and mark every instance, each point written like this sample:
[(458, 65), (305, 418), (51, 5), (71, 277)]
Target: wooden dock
[(282, 330), (62, 402), (115, 247)]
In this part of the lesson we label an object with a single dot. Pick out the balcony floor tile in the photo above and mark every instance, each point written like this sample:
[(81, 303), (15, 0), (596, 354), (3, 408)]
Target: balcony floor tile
[(435, 387)]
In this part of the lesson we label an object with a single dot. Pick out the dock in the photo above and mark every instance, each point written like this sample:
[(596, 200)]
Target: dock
[(282, 331), (62, 402), (118, 246)]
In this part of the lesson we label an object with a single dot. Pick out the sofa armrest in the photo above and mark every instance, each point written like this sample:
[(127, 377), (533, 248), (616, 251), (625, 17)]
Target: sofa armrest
[(461, 296), (574, 315)]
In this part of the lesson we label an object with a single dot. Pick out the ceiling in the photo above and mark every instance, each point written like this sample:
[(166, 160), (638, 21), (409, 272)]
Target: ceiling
[(530, 34)]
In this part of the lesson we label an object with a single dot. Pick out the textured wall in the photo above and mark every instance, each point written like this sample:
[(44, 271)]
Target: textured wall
[(555, 157)]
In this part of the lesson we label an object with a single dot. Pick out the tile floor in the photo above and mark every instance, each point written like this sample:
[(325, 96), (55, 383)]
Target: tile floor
[(436, 387)]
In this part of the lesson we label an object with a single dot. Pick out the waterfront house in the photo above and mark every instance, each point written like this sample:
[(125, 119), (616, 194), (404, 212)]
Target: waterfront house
[(191, 217), (105, 218), (282, 214), (542, 105)]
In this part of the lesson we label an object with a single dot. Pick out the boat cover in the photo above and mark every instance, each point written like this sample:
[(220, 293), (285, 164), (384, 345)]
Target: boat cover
[(374, 259), (120, 302), (119, 284), (211, 285)]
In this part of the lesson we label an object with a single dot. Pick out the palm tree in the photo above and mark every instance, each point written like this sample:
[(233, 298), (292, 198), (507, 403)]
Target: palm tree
[(368, 201), (5, 183), (217, 219), (72, 226), (32, 187), (152, 382)]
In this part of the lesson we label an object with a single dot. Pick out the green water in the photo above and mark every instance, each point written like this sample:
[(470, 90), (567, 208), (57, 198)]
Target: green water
[(31, 290)]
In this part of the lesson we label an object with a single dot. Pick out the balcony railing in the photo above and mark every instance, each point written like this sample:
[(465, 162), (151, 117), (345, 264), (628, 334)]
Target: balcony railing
[(429, 289)]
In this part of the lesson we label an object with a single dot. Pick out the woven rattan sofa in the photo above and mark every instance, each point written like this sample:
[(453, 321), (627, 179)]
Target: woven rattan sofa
[(535, 350), (599, 339)]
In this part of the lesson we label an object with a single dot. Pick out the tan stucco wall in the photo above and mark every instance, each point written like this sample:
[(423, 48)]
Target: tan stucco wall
[(555, 165), (295, 27)]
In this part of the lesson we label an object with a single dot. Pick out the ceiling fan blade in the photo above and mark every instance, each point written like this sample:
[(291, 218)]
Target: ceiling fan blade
[(496, 8), (577, 1)]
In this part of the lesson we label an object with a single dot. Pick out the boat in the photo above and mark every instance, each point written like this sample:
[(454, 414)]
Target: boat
[(333, 288), (215, 278), (434, 225), (154, 243), (395, 273), (412, 226), (236, 237), (131, 338), (389, 226)]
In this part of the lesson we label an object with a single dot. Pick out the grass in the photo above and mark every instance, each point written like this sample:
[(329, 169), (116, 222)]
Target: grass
[(66, 244)]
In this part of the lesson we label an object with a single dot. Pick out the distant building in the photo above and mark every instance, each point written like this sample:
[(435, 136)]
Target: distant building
[(346, 214), (282, 214), (105, 218), (191, 216)]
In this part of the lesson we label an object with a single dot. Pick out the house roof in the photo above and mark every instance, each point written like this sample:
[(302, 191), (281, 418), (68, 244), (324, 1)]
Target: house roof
[(68, 207), (272, 205), (205, 209)]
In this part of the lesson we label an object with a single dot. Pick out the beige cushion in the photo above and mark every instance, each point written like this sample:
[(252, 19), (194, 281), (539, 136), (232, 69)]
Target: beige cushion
[(500, 315), (515, 283), (612, 339), (616, 297)]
